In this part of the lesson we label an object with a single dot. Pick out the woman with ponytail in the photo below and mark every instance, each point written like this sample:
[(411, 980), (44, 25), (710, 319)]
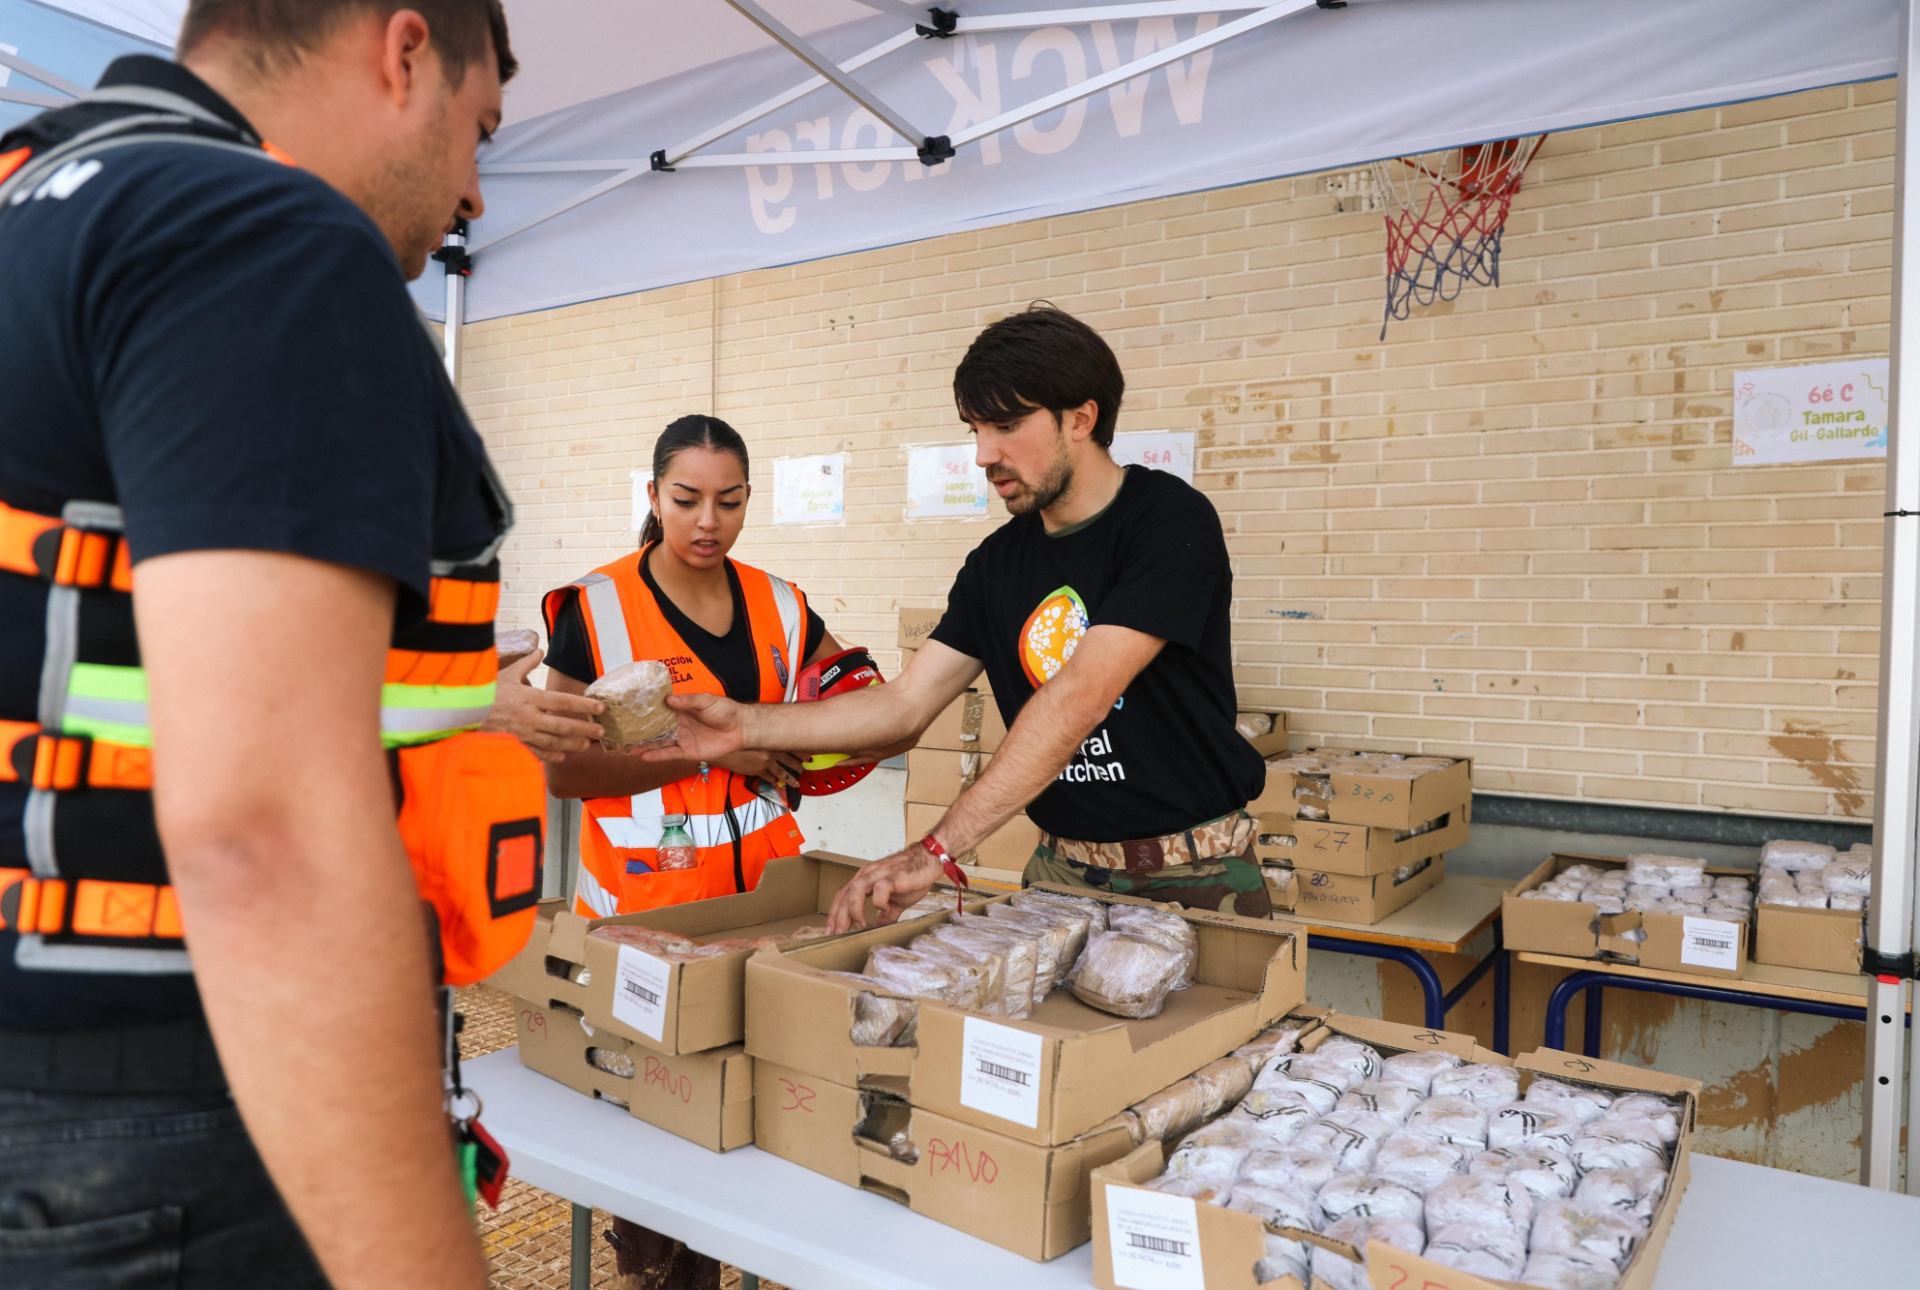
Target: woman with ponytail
[(722, 628)]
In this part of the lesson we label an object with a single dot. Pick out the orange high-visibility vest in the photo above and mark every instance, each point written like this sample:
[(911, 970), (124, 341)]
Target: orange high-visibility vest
[(736, 830), (471, 807)]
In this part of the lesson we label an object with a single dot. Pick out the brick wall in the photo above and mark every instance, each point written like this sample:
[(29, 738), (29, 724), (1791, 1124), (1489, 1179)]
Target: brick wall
[(1513, 528)]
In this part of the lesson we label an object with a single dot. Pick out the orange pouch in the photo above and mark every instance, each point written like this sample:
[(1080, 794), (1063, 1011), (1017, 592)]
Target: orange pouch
[(472, 811)]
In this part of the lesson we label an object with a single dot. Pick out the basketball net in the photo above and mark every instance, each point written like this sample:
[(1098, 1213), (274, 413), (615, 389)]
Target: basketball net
[(1445, 213)]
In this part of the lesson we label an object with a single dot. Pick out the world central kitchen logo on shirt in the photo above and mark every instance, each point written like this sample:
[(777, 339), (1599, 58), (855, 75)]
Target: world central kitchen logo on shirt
[(1052, 632)]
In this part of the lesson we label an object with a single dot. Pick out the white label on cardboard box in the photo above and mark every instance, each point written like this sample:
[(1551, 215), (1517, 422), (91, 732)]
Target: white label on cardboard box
[(1000, 1071), (1155, 1239), (1710, 943), (640, 991)]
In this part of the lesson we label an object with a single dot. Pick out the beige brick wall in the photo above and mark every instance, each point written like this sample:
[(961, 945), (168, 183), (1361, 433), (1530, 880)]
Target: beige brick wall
[(1513, 528)]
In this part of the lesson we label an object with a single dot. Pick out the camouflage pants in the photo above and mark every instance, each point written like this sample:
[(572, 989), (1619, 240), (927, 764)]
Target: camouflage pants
[(1229, 885)]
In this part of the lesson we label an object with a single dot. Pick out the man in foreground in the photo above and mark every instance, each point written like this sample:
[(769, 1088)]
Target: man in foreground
[(249, 530)]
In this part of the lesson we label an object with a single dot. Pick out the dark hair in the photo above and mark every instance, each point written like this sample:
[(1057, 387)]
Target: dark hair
[(1041, 358), (692, 431), (280, 31)]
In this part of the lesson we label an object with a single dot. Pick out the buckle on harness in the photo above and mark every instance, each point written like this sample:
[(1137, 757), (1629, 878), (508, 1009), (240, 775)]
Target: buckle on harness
[(60, 762), (75, 557)]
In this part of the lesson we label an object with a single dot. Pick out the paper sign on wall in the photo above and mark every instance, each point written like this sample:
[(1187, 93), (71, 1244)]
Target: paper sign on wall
[(943, 483), (810, 490), (1820, 412), (1168, 450), (1155, 1239)]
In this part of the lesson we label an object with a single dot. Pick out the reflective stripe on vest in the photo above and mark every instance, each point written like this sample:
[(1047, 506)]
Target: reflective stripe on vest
[(622, 834), (94, 732)]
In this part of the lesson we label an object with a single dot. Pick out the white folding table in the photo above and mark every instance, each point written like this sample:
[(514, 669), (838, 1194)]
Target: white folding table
[(1739, 1225)]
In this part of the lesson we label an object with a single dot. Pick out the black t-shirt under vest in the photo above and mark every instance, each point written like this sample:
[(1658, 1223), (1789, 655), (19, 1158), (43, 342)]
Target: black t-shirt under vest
[(1167, 757), (224, 347)]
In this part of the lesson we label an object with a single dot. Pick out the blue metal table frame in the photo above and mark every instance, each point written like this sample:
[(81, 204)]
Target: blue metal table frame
[(1592, 980), (1438, 1001)]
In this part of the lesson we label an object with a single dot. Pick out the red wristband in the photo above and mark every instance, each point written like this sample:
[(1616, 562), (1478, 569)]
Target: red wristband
[(950, 867)]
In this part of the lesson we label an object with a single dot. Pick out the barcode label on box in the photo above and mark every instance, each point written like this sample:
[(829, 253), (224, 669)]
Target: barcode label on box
[(640, 991), (1000, 1071), (1710, 943), (1155, 1240)]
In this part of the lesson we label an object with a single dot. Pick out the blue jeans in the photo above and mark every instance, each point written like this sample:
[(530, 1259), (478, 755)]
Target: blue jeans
[(140, 1192)]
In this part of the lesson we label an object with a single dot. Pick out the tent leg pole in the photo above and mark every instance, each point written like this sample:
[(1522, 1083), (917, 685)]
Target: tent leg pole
[(1891, 928), (455, 261)]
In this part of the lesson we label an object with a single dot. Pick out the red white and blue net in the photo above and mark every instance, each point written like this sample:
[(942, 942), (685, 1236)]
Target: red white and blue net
[(1446, 212)]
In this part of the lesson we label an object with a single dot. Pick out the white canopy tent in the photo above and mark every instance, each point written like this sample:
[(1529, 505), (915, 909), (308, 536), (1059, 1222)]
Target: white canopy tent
[(653, 143)]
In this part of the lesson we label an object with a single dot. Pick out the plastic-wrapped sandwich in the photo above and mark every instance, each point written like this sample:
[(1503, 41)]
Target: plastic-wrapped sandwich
[(514, 644), (985, 971), (1128, 976), (1056, 935), (1157, 925), (1016, 954), (637, 714)]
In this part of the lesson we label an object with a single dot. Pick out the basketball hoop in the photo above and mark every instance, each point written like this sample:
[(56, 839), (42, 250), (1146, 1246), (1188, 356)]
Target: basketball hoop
[(1446, 211)]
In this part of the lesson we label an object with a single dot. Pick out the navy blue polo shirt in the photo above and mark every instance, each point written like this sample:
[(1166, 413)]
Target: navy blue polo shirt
[(224, 347)]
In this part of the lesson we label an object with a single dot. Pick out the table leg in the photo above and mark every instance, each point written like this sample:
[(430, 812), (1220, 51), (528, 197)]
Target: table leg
[(1435, 994), (582, 1256), (1556, 1036), (1502, 995), (1593, 1037), (1562, 997)]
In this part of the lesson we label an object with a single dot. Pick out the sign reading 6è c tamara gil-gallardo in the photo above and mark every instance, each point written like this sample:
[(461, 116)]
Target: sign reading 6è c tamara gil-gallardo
[(1820, 412)]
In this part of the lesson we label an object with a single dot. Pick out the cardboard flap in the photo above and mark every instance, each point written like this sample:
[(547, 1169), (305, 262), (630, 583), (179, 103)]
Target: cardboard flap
[(1591, 1070), (1400, 1038), (569, 937), (1611, 934)]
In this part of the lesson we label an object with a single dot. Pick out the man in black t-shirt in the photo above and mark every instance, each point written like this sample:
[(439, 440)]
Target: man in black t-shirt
[(208, 344), (1101, 615)]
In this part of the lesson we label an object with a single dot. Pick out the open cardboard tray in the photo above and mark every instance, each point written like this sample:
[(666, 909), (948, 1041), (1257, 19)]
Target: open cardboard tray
[(1826, 940), (1146, 1240), (1577, 929), (1033, 1200), (706, 1098), (673, 1008), (1045, 1080), (1378, 801), (1355, 849)]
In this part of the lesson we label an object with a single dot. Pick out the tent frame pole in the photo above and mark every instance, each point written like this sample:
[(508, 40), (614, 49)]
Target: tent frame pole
[(1893, 922), (51, 80), (457, 264), (803, 49)]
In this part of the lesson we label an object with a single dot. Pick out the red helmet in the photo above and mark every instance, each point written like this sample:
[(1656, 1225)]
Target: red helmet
[(843, 673)]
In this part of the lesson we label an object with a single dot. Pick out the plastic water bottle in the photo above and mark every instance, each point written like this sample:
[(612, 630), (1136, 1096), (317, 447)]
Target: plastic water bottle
[(676, 845)]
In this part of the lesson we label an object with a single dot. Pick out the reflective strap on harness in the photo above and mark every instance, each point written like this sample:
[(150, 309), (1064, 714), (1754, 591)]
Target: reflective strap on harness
[(462, 602), (87, 907), (60, 763), (45, 547)]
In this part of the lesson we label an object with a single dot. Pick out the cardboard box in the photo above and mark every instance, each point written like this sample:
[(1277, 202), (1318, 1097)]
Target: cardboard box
[(1354, 848), (1045, 1080), (937, 777), (1825, 940), (1376, 800), (971, 723), (1274, 742), (1345, 898), (1144, 1238), (1006, 850), (1033, 1200), (1674, 942), (916, 625), (706, 1098), (681, 1007)]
